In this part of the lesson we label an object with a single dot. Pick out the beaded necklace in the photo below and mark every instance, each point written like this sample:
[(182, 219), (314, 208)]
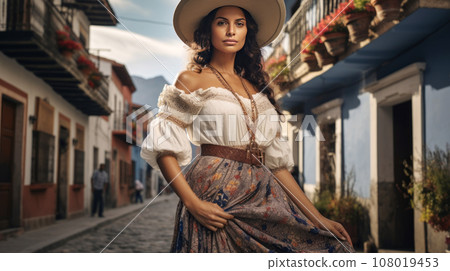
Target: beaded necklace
[(252, 147)]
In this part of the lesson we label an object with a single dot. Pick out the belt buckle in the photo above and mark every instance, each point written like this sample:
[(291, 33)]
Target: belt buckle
[(259, 156)]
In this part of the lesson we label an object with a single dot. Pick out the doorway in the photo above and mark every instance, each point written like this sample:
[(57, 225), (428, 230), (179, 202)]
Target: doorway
[(62, 181), (403, 151), (327, 158), (396, 135), (7, 136)]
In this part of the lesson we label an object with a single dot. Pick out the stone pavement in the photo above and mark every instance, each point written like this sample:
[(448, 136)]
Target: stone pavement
[(151, 231)]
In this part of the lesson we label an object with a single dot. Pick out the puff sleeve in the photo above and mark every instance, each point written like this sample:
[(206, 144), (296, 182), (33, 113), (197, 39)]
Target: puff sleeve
[(278, 155), (167, 130)]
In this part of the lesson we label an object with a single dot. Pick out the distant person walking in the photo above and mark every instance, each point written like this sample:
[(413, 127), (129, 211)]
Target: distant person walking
[(138, 187), (99, 181)]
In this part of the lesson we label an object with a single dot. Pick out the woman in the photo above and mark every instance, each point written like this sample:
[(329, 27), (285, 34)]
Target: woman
[(239, 195)]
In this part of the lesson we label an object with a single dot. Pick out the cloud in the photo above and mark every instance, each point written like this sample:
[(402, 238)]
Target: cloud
[(142, 55)]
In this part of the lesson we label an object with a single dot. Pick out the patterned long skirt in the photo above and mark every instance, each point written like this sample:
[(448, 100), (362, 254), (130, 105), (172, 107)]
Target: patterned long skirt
[(265, 218)]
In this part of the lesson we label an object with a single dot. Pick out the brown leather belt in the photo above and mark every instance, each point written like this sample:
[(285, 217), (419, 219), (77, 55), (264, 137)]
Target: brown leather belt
[(236, 154)]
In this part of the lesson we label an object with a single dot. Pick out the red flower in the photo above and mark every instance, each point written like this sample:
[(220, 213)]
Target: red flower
[(309, 42), (94, 79), (69, 45), (62, 35), (85, 63), (65, 43)]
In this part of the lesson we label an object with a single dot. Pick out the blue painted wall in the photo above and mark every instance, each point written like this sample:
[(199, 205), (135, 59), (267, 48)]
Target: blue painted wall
[(356, 140), (434, 52), (356, 110)]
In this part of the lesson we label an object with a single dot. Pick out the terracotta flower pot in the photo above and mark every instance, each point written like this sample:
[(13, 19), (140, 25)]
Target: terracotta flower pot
[(67, 54), (310, 60), (358, 26), (336, 43), (322, 55), (387, 10)]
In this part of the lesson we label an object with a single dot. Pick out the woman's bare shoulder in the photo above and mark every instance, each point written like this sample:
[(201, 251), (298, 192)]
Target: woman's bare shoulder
[(189, 81)]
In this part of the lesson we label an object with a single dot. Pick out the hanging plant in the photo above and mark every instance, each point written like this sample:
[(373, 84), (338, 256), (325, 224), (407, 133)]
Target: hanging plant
[(69, 45), (387, 10), (321, 52), (308, 48), (85, 65), (332, 23), (66, 45), (277, 69), (309, 43), (333, 33), (357, 17), (95, 79)]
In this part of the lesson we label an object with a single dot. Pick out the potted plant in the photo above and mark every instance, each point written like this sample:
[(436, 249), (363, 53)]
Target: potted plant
[(431, 194), (95, 79), (278, 69), (357, 17), (321, 52), (307, 52), (66, 45), (334, 34), (85, 65), (387, 10)]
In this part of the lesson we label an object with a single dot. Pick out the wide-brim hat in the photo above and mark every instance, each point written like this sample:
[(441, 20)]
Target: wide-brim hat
[(268, 14)]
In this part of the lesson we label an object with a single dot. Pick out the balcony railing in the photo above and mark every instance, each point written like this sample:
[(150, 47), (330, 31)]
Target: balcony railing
[(120, 121), (122, 129), (304, 19), (30, 38)]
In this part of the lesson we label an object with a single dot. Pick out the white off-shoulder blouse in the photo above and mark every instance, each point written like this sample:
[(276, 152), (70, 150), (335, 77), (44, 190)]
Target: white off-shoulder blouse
[(212, 116)]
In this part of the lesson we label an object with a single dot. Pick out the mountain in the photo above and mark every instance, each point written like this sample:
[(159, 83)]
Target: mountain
[(147, 90)]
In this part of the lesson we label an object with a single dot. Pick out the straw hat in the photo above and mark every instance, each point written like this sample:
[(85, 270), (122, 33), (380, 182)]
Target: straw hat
[(268, 14)]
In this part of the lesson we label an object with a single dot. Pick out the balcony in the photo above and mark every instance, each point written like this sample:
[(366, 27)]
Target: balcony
[(123, 130), (30, 38), (417, 20), (94, 10), (304, 19)]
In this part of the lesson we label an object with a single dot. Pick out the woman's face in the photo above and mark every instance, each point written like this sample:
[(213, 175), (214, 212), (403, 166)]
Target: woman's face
[(229, 29)]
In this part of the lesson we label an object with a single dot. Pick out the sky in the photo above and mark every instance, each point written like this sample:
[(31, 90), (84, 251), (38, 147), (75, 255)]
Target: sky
[(147, 49)]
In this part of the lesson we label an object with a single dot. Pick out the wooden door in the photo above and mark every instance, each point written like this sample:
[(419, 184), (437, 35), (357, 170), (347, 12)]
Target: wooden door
[(63, 164), (8, 117)]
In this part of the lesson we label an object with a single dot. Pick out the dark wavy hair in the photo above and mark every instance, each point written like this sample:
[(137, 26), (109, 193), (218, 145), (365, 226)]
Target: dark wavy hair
[(248, 61)]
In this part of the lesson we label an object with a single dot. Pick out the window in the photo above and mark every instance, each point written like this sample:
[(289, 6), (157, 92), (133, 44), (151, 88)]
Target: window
[(329, 164), (42, 161), (3, 15), (95, 158), (125, 173), (78, 177), (43, 144), (328, 158)]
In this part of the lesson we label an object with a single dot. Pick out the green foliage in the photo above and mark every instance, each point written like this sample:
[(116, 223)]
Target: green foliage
[(361, 4), (278, 69), (433, 193), (346, 209)]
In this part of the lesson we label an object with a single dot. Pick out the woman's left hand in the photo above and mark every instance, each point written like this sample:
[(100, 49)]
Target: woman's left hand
[(335, 227)]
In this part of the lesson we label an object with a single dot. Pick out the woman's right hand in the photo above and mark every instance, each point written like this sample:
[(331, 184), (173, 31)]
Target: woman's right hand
[(209, 214)]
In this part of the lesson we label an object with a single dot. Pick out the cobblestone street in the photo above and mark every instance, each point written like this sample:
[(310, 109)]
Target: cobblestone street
[(150, 232)]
